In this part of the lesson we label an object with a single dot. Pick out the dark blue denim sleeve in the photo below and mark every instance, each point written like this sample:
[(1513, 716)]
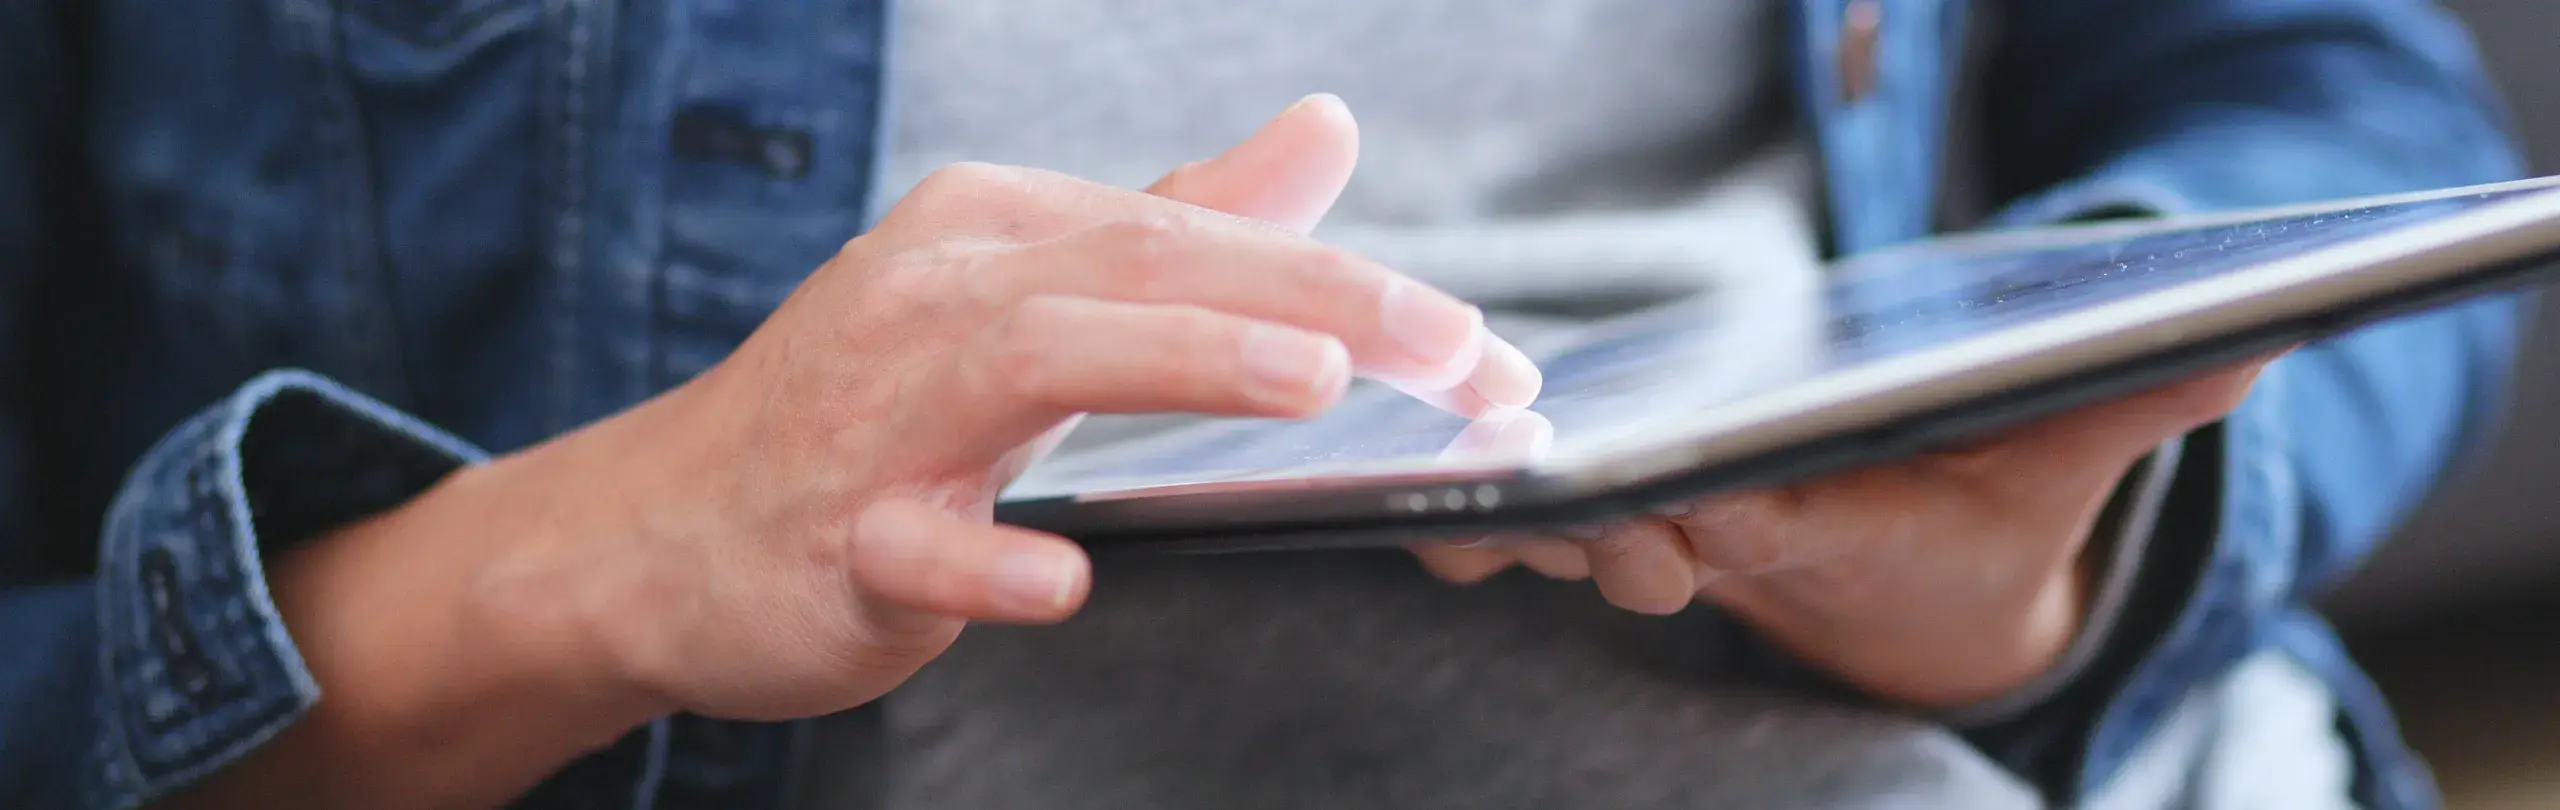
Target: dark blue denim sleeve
[(128, 678), (48, 629), (170, 660), (194, 666), (2180, 105)]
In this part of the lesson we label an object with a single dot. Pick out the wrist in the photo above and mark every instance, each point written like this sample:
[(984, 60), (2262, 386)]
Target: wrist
[(1931, 657), (545, 594), (615, 546), (446, 640)]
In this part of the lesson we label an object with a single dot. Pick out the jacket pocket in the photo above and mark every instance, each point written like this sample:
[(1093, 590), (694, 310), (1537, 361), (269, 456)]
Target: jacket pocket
[(391, 41), (429, 24), (210, 290)]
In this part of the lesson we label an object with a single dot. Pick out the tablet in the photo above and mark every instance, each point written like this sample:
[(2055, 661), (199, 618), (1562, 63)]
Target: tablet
[(1885, 355)]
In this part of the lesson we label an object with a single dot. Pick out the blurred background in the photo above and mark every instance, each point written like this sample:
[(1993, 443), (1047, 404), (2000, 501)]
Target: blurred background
[(2460, 616)]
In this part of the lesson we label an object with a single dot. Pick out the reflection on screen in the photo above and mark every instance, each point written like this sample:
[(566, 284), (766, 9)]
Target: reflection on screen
[(1670, 364)]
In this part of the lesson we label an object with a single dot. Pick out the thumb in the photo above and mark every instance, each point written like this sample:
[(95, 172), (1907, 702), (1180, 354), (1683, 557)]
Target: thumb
[(1288, 173), (918, 566)]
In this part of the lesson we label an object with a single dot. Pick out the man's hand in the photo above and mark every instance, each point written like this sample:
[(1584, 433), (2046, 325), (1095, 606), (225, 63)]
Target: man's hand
[(800, 528), (826, 517), (1938, 581)]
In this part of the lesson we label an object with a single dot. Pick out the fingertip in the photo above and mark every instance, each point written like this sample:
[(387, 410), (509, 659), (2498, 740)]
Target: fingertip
[(1040, 579), (1320, 98), (1653, 606), (1460, 401), (927, 560), (1643, 568), (1504, 375), (1460, 565), (1288, 172), (1639, 597), (1298, 372), (1523, 435), (1434, 341), (1330, 115), (1497, 435)]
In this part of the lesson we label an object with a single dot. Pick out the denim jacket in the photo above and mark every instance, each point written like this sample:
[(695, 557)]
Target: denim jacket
[(478, 223)]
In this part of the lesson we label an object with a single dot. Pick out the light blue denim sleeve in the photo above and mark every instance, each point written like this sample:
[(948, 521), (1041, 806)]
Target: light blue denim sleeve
[(2165, 106)]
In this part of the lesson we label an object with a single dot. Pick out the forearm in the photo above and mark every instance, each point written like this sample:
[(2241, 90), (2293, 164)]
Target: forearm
[(305, 598), (449, 678), (1947, 661)]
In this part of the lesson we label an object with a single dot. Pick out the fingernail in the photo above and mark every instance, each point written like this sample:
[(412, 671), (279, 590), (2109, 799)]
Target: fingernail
[(1676, 510), (1585, 533), (1311, 100), (1292, 366), (1037, 581), (1507, 379), (1442, 334), (1524, 436)]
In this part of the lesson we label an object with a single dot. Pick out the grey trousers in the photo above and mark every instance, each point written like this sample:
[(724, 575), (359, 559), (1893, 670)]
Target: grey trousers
[(1330, 685)]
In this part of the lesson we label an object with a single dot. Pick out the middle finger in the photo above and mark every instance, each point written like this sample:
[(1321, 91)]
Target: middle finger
[(1397, 329), (1644, 566)]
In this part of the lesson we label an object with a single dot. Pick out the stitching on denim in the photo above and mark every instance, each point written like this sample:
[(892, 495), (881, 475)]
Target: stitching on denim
[(567, 114)]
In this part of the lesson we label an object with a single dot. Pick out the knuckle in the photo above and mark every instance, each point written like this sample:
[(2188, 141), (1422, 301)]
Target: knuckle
[(1142, 252), (979, 197), (857, 251), (905, 285), (946, 272), (1198, 327), (1336, 264), (1154, 233), (965, 177), (1331, 274), (1191, 167), (1147, 236), (1196, 358), (1017, 356), (1152, 236)]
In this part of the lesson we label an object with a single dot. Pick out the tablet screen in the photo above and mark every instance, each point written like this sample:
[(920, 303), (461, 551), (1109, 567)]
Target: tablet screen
[(1656, 369)]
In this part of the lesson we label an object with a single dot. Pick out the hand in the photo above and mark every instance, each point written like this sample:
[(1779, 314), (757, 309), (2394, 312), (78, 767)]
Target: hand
[(798, 529), (817, 506), (1948, 578)]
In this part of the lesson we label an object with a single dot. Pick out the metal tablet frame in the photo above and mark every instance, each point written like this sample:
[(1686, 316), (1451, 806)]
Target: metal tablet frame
[(1888, 410)]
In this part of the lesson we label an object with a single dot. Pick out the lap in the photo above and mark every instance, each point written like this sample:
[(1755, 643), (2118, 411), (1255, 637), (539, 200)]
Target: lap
[(1319, 683)]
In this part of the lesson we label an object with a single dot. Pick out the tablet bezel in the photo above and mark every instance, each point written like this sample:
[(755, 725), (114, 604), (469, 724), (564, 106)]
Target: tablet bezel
[(1879, 411)]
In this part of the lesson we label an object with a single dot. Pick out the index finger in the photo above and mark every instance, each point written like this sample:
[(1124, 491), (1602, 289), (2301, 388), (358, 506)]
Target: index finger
[(1397, 329)]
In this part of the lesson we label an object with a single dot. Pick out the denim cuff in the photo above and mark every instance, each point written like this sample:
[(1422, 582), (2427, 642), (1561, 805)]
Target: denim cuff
[(195, 665)]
